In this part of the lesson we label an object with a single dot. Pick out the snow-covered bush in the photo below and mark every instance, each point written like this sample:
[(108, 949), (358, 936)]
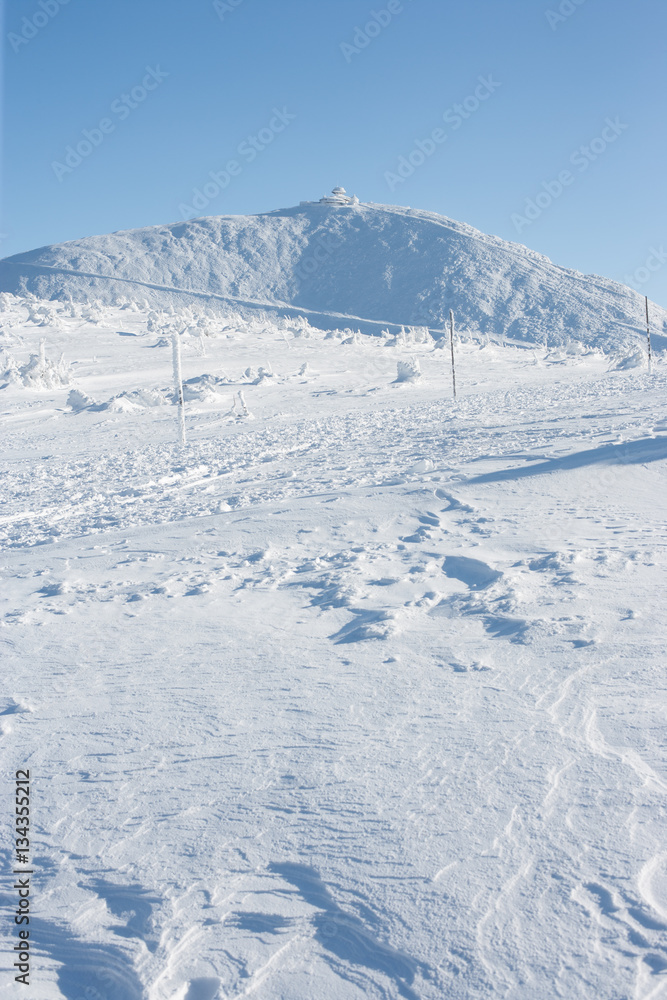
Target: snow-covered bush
[(11, 370), (300, 327), (41, 372), (40, 314), (634, 359), (239, 408), (204, 388), (419, 335), (262, 374), (92, 313), (8, 301), (407, 371), (413, 335), (78, 400)]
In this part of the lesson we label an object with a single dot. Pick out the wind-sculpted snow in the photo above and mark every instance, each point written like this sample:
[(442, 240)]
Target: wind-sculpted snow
[(359, 695), (365, 266)]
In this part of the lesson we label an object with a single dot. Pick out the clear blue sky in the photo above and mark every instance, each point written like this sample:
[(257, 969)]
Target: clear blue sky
[(555, 79)]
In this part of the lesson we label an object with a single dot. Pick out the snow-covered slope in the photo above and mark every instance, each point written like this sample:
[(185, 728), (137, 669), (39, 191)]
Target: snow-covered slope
[(365, 266), (358, 696)]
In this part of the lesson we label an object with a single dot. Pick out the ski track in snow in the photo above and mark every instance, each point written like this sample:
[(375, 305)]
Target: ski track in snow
[(361, 696)]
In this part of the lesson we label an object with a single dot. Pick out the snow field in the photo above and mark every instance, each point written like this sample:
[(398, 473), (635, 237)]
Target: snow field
[(359, 696)]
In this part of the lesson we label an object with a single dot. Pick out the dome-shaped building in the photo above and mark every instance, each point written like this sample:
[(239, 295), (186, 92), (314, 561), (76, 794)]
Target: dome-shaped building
[(339, 196)]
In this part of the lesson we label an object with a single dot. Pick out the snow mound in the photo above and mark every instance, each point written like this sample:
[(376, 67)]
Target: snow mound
[(204, 388)]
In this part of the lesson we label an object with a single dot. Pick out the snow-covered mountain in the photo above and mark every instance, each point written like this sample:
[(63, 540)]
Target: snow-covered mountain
[(346, 264)]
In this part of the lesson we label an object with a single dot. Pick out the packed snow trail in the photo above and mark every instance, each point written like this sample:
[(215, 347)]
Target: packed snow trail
[(361, 696)]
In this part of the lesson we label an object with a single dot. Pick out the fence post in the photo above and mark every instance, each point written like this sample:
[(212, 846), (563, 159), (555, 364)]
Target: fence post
[(178, 384), (451, 345)]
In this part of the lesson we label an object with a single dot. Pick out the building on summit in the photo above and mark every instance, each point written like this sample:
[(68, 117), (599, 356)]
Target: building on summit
[(338, 196)]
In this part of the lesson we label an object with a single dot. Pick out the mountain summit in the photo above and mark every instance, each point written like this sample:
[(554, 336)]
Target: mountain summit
[(345, 263)]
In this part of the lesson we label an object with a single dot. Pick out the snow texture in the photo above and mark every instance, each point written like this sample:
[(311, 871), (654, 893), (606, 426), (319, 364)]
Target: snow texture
[(361, 694)]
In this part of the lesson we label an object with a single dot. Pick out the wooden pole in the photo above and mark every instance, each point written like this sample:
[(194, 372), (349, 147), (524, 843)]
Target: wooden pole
[(451, 345), (648, 336), (178, 385)]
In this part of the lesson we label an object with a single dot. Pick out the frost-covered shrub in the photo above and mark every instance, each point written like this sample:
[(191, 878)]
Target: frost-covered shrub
[(8, 301), (204, 388), (39, 314), (300, 327), (407, 371), (398, 340), (137, 399), (635, 359), (262, 374), (92, 313), (153, 323), (239, 408), (418, 335), (78, 400), (42, 373), (11, 370), (413, 335)]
